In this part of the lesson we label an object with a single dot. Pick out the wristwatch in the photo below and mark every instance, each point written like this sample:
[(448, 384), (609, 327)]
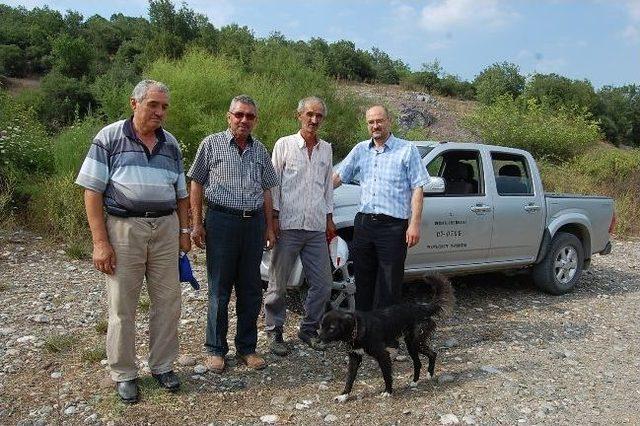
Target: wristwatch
[(185, 230)]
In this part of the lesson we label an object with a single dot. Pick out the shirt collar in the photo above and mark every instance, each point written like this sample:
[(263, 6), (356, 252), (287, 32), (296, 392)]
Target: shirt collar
[(230, 139), (131, 134), (302, 143), (389, 144)]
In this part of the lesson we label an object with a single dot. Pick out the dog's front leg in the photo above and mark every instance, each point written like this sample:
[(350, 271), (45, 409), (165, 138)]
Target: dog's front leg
[(384, 361), (354, 363)]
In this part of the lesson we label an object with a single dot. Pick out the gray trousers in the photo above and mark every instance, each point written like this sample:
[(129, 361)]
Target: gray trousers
[(312, 248)]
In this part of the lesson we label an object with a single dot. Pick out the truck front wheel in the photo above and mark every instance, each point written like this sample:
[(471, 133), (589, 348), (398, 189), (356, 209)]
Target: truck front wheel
[(561, 268)]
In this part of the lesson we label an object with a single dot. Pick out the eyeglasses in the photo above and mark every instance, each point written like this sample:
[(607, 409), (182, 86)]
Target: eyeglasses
[(240, 115)]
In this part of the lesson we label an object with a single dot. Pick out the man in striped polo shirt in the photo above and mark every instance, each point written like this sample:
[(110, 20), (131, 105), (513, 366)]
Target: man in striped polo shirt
[(134, 172), (233, 172), (303, 217)]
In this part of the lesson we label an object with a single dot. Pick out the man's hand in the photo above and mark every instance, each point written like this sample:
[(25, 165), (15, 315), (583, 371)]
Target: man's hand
[(199, 235), (104, 258), (269, 238), (185, 243), (331, 229), (413, 234), (276, 227)]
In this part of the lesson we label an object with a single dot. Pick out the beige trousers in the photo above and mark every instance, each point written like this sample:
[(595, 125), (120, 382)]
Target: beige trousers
[(145, 248)]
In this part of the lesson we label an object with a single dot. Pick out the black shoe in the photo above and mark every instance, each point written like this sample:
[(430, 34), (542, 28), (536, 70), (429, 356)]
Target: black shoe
[(312, 340), (128, 391), (277, 345), (168, 380)]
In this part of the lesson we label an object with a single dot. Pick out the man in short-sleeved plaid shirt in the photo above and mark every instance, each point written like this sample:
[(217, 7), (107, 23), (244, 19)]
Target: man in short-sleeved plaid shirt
[(234, 173), (391, 177)]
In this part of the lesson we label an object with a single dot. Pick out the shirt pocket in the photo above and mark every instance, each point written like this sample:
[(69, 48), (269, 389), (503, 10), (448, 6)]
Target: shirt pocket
[(320, 174), (257, 169)]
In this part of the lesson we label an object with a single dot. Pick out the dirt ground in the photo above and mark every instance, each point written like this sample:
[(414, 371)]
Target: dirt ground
[(508, 355)]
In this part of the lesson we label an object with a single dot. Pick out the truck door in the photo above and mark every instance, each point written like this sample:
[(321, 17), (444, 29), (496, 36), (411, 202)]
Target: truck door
[(518, 210), (456, 225)]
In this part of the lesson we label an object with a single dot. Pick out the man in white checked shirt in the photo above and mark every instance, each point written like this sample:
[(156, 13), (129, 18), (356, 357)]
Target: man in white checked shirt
[(302, 211)]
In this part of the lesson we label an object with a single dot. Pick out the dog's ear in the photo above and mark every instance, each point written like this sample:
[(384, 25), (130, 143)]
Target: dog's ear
[(328, 306)]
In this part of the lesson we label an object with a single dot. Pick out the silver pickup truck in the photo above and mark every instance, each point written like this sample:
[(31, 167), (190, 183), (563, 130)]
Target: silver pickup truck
[(485, 210)]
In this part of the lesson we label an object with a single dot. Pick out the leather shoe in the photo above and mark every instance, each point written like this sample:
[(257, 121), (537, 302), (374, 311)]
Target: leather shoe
[(168, 380), (128, 391), (215, 363), (252, 361)]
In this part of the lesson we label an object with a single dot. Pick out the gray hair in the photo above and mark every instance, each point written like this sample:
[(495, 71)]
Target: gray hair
[(243, 99), (311, 99), (142, 88)]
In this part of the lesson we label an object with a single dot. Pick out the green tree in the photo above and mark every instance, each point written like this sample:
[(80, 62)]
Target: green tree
[(72, 56), (64, 100), (561, 91), (238, 43), (618, 109), (12, 61), (347, 62), (497, 80), (385, 69)]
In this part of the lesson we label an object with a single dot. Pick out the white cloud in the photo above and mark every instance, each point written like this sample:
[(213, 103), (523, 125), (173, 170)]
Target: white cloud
[(631, 33), (445, 15), (633, 6)]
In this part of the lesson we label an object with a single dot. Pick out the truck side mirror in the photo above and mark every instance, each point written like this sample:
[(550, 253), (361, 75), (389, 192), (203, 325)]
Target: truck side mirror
[(434, 186)]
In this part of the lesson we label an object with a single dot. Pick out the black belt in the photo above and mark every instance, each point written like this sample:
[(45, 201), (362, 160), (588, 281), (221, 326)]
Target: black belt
[(379, 217), (126, 213), (235, 212)]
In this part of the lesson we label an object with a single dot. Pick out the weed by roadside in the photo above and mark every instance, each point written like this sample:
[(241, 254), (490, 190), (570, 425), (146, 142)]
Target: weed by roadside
[(144, 304), (59, 343), (101, 326), (94, 354), (77, 250)]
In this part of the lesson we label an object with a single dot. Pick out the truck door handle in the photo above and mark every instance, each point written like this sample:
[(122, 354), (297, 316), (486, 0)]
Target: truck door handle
[(531, 208), (481, 208)]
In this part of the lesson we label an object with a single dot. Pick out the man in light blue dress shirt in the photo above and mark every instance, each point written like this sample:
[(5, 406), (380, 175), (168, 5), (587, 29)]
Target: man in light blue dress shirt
[(391, 177)]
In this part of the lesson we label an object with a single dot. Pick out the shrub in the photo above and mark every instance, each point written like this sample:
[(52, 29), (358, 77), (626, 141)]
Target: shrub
[(606, 171), (546, 133), (57, 209), (72, 144), (113, 89), (203, 86), (24, 144)]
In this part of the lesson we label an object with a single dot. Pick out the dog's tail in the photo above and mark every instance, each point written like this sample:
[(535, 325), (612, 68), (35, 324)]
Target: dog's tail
[(443, 298)]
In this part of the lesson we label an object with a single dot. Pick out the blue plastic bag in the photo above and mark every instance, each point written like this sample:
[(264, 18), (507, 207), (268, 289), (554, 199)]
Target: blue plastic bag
[(186, 273)]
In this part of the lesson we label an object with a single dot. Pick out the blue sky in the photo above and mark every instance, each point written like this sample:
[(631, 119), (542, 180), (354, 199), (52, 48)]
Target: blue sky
[(598, 40)]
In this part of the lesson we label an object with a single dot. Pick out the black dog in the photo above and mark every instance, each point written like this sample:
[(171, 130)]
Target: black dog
[(370, 331)]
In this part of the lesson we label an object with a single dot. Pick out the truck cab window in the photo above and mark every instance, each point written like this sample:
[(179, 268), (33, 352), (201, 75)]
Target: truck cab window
[(512, 174), (461, 171)]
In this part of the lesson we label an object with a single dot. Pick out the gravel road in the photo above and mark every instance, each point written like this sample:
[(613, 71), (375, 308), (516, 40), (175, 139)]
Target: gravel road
[(508, 355)]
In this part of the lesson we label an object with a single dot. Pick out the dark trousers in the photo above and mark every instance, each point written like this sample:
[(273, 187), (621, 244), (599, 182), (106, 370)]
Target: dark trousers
[(379, 250), (234, 251)]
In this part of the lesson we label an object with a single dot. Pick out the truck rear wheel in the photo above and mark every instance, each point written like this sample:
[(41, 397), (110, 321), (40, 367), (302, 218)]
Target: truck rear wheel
[(561, 267)]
